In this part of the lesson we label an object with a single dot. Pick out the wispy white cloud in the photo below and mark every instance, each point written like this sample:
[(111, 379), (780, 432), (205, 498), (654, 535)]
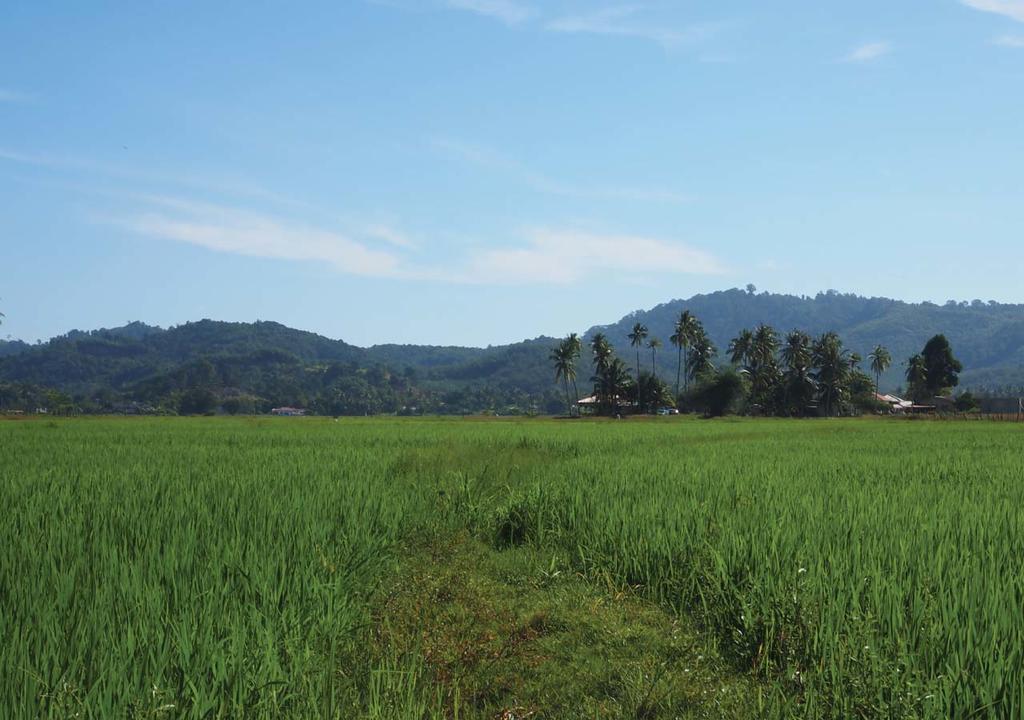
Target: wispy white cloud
[(241, 232), (389, 234), (379, 249), (1010, 41), (110, 171), (25, 158), (489, 158), (1009, 8), (868, 52), (623, 21), (542, 256), (556, 256), (507, 11)]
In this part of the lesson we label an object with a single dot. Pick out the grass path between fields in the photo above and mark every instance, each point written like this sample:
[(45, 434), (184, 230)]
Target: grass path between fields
[(467, 631)]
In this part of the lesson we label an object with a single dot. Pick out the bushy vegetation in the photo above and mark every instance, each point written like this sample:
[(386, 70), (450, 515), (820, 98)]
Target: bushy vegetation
[(139, 368), (240, 568), (795, 376)]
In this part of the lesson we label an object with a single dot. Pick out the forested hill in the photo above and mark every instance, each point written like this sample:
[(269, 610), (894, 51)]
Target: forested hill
[(265, 363), (262, 364), (987, 337)]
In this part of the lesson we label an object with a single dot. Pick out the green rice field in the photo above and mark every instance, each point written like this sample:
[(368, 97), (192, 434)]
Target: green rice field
[(511, 569)]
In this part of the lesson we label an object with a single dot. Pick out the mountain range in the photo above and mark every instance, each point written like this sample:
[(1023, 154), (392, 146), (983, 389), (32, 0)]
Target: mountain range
[(270, 363)]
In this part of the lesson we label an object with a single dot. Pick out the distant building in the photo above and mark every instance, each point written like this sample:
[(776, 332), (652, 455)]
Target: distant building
[(288, 412), (896, 404)]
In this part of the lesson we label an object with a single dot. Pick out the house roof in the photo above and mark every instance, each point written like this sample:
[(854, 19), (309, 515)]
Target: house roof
[(893, 400)]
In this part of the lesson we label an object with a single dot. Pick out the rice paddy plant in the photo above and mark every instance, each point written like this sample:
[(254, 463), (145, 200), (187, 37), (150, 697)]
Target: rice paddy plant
[(862, 569), (193, 570), (226, 568)]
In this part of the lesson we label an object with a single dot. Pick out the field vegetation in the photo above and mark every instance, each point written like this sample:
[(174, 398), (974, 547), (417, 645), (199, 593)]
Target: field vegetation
[(415, 568)]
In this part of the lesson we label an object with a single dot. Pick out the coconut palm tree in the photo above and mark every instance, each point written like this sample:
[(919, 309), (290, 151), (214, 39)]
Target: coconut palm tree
[(764, 345), (611, 384), (763, 367), (654, 344), (678, 341), (562, 358), (682, 338), (796, 352), (643, 388), (636, 339), (740, 348), (700, 359), (799, 385), (880, 362), (602, 351), (833, 368), (576, 347)]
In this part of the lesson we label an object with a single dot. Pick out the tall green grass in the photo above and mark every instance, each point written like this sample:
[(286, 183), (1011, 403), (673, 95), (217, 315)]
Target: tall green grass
[(216, 568), (187, 569), (863, 569)]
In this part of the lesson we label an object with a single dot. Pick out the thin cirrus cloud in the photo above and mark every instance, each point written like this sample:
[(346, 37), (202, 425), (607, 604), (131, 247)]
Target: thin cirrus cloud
[(389, 235), (565, 257), (868, 52), (86, 167), (491, 159), (621, 20), (541, 257), (240, 232), (1010, 41), (610, 20), (507, 11), (380, 250), (1013, 9)]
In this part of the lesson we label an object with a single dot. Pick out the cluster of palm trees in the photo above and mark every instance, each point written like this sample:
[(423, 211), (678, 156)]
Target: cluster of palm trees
[(613, 384), (788, 375), (791, 375), (695, 352)]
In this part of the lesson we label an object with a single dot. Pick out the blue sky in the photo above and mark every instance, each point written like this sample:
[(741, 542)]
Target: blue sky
[(482, 171)]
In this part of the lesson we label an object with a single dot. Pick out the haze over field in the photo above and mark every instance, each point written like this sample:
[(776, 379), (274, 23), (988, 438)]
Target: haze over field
[(473, 172)]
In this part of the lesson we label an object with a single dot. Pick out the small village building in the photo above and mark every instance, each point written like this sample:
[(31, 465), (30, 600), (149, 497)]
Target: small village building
[(897, 405), (288, 412)]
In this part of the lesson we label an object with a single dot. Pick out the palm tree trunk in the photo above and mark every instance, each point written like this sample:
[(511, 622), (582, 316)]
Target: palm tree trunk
[(638, 380), (686, 372), (568, 402), (576, 392), (679, 368)]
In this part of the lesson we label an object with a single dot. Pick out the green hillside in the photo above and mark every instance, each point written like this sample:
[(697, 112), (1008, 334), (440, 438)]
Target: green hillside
[(202, 364), (987, 337)]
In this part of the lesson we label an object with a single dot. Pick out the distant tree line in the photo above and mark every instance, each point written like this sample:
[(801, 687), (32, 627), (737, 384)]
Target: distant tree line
[(794, 375)]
